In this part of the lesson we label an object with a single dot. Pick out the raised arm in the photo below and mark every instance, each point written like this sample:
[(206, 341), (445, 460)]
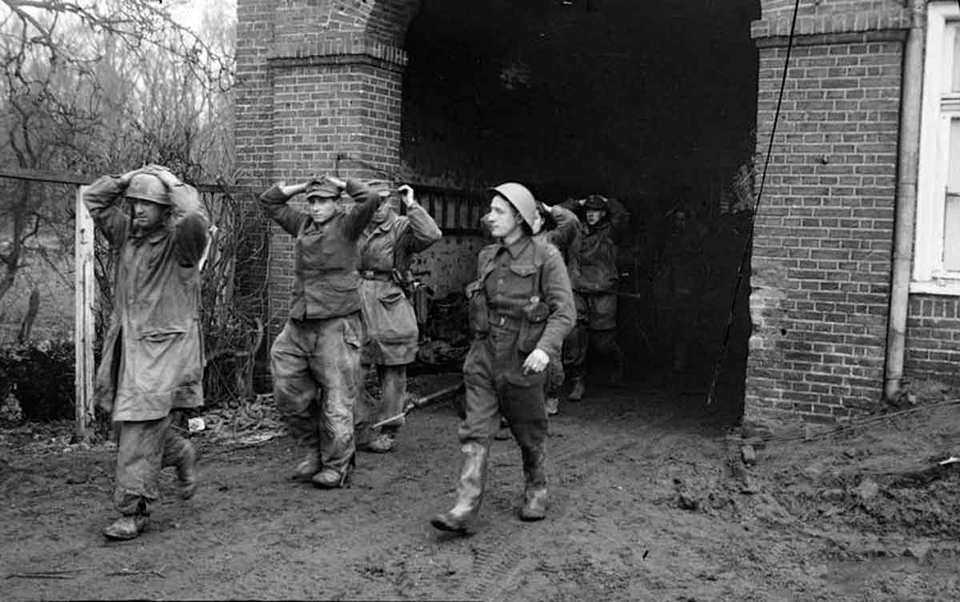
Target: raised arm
[(367, 201), (567, 229), (104, 199), (421, 230), (618, 215), (274, 202), (189, 227)]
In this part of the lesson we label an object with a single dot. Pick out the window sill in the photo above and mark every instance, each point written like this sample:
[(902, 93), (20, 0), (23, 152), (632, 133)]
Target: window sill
[(943, 286)]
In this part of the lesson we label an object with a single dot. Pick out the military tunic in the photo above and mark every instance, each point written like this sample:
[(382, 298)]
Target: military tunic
[(315, 361), (385, 249), (521, 301)]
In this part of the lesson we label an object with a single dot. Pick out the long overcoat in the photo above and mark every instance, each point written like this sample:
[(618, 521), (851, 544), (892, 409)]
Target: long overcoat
[(152, 358), (388, 315)]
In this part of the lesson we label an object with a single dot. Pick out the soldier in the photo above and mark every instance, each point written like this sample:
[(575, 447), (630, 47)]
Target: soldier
[(594, 286), (315, 361), (561, 228), (521, 307), (152, 359), (385, 249)]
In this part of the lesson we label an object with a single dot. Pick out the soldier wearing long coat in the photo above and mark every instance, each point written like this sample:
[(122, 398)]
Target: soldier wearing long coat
[(386, 246), (152, 361)]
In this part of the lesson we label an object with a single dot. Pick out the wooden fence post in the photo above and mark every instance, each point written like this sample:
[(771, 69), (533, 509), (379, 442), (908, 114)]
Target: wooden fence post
[(84, 333)]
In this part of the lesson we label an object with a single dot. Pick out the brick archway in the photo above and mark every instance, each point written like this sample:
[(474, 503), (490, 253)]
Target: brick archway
[(317, 79)]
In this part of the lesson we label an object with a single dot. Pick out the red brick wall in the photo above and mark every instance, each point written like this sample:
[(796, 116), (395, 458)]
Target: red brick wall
[(824, 231)]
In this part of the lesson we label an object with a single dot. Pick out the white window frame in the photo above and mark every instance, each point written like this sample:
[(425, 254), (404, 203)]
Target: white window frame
[(929, 275)]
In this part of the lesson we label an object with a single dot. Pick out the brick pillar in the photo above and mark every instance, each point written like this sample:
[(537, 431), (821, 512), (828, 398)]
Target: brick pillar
[(824, 232), (317, 79)]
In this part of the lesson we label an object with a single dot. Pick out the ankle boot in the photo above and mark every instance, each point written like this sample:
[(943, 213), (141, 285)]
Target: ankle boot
[(535, 489), (329, 478), (126, 527), (577, 390), (473, 474), (309, 466)]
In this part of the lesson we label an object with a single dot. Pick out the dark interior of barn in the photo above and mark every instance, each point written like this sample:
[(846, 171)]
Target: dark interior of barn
[(651, 103)]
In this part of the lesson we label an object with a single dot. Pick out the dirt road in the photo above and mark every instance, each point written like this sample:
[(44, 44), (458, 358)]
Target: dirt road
[(644, 507)]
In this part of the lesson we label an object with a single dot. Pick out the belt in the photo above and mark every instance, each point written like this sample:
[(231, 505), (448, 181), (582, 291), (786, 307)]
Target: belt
[(503, 321), (376, 275)]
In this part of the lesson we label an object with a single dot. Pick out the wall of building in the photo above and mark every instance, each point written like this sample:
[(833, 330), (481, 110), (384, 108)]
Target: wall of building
[(824, 231)]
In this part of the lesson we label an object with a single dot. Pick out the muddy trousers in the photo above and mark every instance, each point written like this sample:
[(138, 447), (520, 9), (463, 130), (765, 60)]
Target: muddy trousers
[(594, 334), (495, 387), (316, 366), (144, 449), (393, 392)]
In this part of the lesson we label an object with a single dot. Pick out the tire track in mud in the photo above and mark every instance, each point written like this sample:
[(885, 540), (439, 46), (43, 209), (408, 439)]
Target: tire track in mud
[(502, 558)]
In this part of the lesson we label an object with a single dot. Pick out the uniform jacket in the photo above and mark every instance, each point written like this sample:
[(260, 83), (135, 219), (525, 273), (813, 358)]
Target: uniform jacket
[(598, 251), (155, 326), (525, 282), (326, 282), (389, 318)]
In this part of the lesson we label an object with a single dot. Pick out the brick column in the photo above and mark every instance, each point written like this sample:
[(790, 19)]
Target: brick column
[(318, 79), (824, 232)]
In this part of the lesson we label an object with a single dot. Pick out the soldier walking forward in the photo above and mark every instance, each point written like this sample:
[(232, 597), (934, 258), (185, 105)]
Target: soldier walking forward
[(386, 245), (152, 359), (521, 307), (594, 286), (315, 360)]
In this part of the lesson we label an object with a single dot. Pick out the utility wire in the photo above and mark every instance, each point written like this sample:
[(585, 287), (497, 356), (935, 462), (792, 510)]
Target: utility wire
[(744, 258)]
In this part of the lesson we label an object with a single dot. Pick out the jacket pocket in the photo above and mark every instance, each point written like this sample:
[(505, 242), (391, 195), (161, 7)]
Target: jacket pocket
[(396, 320)]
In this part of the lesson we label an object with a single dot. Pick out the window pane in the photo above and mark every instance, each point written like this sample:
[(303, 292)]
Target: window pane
[(955, 62), (951, 234), (953, 158)]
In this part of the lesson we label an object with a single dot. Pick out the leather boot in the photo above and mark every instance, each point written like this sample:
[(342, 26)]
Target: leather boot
[(127, 527), (473, 474), (308, 467), (187, 471), (535, 490), (577, 390), (330, 478)]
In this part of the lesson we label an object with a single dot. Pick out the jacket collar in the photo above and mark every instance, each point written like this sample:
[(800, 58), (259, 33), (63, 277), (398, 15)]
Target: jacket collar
[(517, 247)]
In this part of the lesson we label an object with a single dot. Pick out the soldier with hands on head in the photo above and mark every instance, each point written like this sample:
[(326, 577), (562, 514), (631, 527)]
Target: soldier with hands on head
[(386, 246), (595, 287), (521, 307), (315, 360), (152, 361)]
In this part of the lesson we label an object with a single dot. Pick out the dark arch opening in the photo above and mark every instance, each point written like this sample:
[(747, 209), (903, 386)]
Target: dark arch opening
[(654, 104)]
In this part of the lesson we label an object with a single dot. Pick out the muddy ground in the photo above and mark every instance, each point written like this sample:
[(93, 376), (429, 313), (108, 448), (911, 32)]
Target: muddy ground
[(651, 500)]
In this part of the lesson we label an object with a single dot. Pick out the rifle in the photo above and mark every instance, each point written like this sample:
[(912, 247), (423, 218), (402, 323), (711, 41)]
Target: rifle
[(415, 403)]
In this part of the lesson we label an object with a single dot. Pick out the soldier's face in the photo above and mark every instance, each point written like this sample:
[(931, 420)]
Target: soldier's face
[(387, 204), (146, 215), (322, 208), (501, 219), (594, 216)]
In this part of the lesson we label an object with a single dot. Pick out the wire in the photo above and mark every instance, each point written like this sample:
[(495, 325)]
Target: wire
[(744, 257)]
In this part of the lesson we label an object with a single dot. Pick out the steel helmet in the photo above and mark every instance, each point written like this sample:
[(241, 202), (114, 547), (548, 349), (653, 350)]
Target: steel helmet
[(148, 187), (522, 200)]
